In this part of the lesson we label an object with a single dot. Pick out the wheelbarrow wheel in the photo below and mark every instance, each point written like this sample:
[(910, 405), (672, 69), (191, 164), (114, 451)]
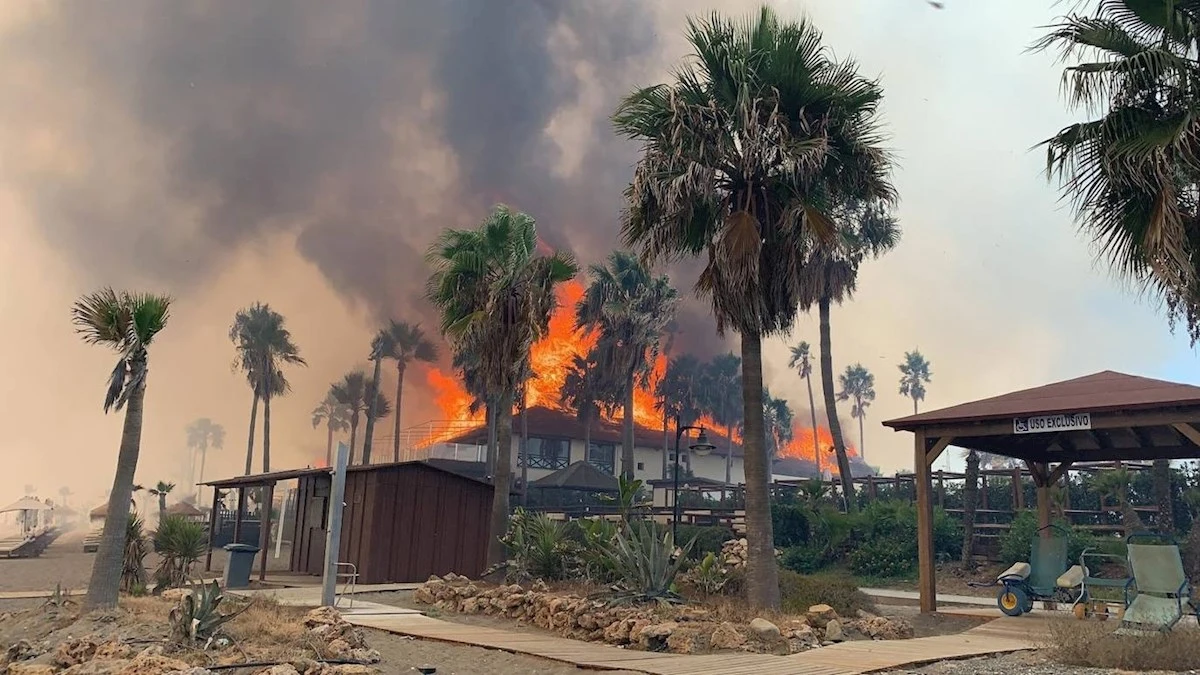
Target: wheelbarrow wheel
[(1081, 610), (1013, 601)]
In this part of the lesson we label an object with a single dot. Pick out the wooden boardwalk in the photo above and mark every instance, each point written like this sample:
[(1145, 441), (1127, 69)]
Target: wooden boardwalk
[(848, 658)]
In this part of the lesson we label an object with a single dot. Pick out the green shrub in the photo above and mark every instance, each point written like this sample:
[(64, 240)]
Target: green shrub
[(804, 559), (799, 592), (540, 548), (884, 557), (1016, 544), (790, 524), (179, 542), (709, 538)]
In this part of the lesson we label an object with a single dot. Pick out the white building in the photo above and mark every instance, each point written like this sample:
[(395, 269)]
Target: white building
[(556, 440)]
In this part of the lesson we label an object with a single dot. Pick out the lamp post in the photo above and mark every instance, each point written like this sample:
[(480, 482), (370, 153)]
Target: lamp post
[(700, 447)]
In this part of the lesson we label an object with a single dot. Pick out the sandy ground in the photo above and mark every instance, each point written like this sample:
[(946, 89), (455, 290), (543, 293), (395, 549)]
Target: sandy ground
[(404, 655), (1020, 663)]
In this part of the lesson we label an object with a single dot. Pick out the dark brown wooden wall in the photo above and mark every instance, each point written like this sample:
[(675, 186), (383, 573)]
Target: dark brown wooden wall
[(402, 523)]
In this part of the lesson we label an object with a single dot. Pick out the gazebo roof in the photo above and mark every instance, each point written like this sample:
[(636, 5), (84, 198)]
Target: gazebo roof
[(27, 504), (1100, 417), (183, 509), (580, 476)]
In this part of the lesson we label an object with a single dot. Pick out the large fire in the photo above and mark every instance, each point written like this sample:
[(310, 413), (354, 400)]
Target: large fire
[(552, 357)]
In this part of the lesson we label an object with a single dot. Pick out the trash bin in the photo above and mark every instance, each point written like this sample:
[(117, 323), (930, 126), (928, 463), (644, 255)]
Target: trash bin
[(239, 565)]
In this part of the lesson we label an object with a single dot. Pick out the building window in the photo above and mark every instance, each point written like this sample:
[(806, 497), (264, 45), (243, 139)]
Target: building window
[(641, 466), (603, 457), (548, 453)]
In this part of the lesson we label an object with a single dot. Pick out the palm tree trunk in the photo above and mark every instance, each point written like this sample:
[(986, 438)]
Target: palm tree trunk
[(493, 441), (250, 442), (105, 581), (399, 400), (353, 435), (329, 443), (970, 497), (666, 440), (812, 406), (1162, 496), (200, 480), (524, 450), (627, 458), (162, 506), (502, 420), (587, 436), (862, 441), (915, 406), (266, 464), (835, 427), (728, 445), (369, 434), (762, 573)]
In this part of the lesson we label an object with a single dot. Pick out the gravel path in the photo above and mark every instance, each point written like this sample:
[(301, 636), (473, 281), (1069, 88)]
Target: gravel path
[(1021, 663)]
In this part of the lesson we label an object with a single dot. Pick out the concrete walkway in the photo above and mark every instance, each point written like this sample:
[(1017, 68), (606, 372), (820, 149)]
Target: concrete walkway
[(943, 598)]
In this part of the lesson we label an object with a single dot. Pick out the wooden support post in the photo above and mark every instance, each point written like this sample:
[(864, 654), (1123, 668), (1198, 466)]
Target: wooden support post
[(212, 528), (941, 489), (983, 490), (1018, 493), (927, 584), (241, 513), (1041, 478), (264, 529), (896, 486), (871, 487)]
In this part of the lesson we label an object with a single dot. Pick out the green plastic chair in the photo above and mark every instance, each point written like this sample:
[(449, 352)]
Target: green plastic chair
[(1048, 557), (1162, 588)]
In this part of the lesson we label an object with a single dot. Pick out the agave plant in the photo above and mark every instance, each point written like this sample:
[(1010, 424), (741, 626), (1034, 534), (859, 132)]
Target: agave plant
[(179, 543), (198, 617), (539, 548), (646, 564), (133, 568)]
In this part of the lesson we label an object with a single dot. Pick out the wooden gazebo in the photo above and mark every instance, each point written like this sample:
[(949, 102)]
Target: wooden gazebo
[(1107, 416)]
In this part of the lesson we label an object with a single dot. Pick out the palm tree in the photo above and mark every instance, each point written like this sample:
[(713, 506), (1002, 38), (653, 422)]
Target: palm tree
[(778, 419), (203, 433), (858, 385), (1114, 484), (161, 490), (801, 360), (65, 493), (128, 323), (1132, 172), (405, 343), (970, 500), (495, 295), (866, 229), (677, 396), (263, 347), (358, 393), (628, 309), (914, 375), (721, 398), (335, 417), (581, 392), (744, 154)]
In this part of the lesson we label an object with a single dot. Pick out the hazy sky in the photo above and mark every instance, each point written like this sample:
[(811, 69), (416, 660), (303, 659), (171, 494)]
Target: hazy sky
[(991, 281)]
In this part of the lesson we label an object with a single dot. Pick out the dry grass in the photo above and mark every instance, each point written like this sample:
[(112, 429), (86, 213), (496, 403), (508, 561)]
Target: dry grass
[(269, 624), (1093, 644)]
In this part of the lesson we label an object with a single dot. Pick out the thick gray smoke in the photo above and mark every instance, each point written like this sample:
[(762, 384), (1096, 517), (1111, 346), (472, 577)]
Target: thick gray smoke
[(197, 128)]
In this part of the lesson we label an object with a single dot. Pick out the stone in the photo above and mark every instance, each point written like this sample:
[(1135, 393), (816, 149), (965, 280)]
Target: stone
[(175, 594), (74, 651), (470, 606), (819, 615), (424, 595), (196, 670), (883, 628), (727, 636), (352, 669), (31, 669), (281, 669), (99, 667), (765, 630), (834, 632), (322, 616), (20, 650), (617, 632), (338, 648), (653, 638), (684, 641), (114, 650)]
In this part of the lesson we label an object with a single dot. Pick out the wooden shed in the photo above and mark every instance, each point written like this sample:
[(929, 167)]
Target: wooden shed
[(402, 522)]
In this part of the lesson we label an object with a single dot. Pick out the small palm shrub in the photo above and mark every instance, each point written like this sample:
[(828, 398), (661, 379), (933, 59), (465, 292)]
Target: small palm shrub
[(179, 542), (708, 576), (133, 567), (596, 535), (646, 564), (540, 548)]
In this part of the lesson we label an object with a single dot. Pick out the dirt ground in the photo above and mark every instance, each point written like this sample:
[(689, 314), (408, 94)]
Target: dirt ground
[(1019, 663), (404, 655)]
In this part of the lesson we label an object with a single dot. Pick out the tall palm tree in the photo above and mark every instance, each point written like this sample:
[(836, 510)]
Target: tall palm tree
[(801, 360), (677, 395), (721, 398), (1114, 484), (405, 343), (830, 275), (64, 494), (914, 375), (380, 345), (335, 417), (495, 295), (128, 323), (858, 386), (263, 347), (161, 490), (628, 308), (778, 419), (970, 501), (1132, 171), (581, 392), (744, 154), (202, 434), (358, 393)]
